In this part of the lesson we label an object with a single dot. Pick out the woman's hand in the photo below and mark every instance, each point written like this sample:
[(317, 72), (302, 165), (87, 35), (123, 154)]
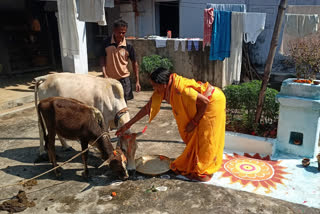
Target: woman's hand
[(190, 126), (122, 129)]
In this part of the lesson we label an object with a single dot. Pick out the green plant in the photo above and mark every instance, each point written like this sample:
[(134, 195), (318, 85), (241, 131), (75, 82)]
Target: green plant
[(305, 53), (241, 108), (151, 63)]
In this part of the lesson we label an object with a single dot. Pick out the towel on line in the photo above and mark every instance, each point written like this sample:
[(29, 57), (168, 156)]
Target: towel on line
[(221, 35), (253, 25)]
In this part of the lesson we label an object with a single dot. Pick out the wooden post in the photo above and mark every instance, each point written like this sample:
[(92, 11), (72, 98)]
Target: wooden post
[(272, 51)]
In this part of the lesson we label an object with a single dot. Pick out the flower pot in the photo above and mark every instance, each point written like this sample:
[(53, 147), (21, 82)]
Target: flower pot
[(306, 162), (316, 82)]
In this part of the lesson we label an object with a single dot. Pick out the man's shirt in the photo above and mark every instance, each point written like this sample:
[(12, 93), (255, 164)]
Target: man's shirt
[(117, 58)]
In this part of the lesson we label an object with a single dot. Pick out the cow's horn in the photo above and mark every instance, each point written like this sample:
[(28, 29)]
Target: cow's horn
[(139, 134), (105, 163)]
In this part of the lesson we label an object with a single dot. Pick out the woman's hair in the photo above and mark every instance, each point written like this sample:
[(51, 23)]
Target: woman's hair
[(160, 76)]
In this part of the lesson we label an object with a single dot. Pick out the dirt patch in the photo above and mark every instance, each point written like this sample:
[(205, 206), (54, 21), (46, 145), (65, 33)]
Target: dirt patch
[(30, 184), (18, 203)]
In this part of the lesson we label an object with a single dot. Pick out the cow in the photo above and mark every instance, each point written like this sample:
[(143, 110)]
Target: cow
[(74, 120), (103, 93)]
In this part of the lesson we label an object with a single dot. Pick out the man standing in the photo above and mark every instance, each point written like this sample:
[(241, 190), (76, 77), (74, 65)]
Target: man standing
[(115, 57)]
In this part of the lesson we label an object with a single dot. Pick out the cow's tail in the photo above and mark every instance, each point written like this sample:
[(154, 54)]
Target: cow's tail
[(41, 121), (38, 81)]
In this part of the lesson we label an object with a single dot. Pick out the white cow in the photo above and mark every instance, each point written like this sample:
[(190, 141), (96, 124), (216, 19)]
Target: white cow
[(104, 94)]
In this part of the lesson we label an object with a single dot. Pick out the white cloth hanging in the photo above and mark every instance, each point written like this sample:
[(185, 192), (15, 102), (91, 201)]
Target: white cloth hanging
[(67, 21), (183, 44), (92, 11), (254, 24), (233, 63), (161, 42), (176, 44), (109, 3), (297, 26)]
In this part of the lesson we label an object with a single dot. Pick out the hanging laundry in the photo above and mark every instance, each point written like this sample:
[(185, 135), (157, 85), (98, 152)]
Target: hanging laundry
[(207, 26), (253, 25), (301, 25), (221, 35), (228, 7), (69, 32), (161, 42), (189, 45), (92, 11), (183, 45), (176, 44), (297, 26), (109, 3), (233, 64), (196, 44)]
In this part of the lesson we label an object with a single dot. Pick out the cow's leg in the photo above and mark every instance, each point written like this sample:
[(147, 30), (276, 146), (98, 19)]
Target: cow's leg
[(64, 144), (50, 145), (43, 156), (84, 156)]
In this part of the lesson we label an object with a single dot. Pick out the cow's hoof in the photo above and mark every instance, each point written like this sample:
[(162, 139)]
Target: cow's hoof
[(132, 174), (85, 175), (42, 158)]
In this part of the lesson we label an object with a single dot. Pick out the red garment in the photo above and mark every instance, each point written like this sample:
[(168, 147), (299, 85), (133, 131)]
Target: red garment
[(207, 26)]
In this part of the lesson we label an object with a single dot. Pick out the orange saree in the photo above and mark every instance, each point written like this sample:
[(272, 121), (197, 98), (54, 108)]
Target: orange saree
[(204, 145)]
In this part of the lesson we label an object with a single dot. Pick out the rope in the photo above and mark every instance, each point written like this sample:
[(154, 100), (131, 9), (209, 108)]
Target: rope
[(64, 163)]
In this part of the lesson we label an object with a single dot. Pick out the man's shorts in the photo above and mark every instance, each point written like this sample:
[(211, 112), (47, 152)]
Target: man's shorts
[(127, 88)]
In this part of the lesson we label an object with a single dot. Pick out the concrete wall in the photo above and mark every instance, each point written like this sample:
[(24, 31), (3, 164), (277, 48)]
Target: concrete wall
[(191, 64)]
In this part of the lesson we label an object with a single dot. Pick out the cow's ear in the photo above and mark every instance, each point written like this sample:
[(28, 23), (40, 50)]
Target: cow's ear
[(106, 163)]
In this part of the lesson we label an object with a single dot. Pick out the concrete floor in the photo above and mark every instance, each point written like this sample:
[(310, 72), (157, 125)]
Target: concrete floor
[(72, 194)]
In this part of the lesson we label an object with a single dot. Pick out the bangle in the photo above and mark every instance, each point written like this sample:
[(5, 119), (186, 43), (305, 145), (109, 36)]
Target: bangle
[(194, 122)]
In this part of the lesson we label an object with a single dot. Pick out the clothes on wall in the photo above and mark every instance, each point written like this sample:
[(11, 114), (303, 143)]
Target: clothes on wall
[(180, 41), (253, 25), (161, 42)]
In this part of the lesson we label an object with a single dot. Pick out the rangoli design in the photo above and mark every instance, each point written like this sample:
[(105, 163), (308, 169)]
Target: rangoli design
[(257, 170)]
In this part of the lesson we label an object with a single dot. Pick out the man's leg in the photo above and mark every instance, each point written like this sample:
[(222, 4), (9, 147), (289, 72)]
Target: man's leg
[(127, 88)]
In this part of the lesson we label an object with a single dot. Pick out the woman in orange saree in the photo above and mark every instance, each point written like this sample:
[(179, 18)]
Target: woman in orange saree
[(199, 110)]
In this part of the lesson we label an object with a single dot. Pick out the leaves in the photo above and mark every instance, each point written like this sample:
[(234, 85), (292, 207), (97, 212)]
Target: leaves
[(151, 63), (241, 108), (305, 53)]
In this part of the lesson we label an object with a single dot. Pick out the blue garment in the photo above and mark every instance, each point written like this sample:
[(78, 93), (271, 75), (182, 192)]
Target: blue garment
[(189, 45), (228, 7), (221, 35), (196, 44)]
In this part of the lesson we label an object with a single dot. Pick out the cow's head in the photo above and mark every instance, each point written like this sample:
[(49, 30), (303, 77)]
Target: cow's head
[(117, 162), (128, 145)]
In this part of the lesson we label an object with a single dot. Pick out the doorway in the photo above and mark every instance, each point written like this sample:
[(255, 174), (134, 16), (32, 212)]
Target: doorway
[(167, 18)]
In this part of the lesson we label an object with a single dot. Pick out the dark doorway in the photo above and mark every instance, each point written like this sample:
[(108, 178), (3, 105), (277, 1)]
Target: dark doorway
[(169, 18)]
